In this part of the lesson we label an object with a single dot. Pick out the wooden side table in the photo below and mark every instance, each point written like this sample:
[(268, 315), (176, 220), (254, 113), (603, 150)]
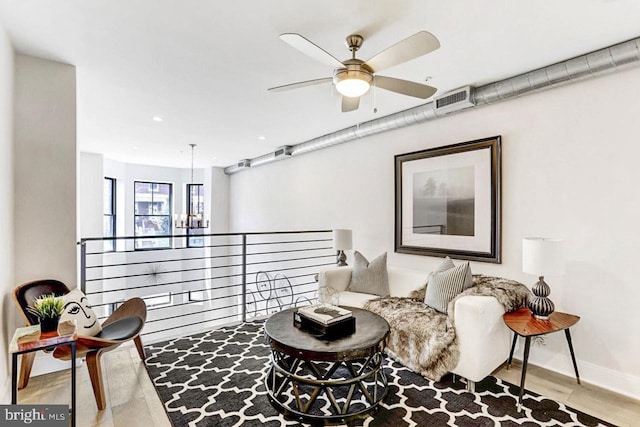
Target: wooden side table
[(26, 340), (524, 324)]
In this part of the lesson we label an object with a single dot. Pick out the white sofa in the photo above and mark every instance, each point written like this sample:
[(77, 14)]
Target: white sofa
[(482, 335)]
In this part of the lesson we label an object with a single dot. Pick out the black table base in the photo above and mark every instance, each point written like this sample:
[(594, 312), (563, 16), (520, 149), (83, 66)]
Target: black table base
[(354, 388)]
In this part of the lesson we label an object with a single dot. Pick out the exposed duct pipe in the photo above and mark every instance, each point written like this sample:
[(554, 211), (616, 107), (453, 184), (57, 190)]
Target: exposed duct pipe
[(590, 65)]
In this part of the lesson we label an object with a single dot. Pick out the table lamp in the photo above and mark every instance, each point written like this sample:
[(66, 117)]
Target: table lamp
[(542, 256), (341, 242)]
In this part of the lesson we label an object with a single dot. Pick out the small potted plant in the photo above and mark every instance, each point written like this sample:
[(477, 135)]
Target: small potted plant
[(48, 308)]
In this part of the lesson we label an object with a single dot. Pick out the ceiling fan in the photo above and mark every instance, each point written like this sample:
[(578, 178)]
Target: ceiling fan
[(353, 77)]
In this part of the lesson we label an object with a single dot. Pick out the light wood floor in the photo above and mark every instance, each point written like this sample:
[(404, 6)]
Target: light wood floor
[(615, 408), (132, 400)]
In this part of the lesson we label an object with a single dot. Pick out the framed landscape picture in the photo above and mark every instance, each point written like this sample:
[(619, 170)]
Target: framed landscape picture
[(448, 201)]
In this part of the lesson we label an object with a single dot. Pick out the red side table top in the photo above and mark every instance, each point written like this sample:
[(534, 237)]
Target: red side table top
[(523, 323)]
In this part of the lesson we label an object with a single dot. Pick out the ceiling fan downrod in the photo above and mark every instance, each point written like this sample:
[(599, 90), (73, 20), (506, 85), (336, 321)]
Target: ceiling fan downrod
[(354, 42)]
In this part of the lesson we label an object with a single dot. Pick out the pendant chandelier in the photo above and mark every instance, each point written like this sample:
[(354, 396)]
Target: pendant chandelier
[(191, 220)]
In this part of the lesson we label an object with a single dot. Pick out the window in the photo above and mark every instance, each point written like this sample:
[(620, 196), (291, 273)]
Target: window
[(152, 214), (158, 300), (195, 206), (109, 219), (196, 296)]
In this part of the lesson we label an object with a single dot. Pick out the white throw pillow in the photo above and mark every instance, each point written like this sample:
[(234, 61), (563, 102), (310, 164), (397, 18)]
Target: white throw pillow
[(77, 307)]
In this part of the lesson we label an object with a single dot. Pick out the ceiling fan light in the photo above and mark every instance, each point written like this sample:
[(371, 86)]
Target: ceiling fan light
[(352, 83)]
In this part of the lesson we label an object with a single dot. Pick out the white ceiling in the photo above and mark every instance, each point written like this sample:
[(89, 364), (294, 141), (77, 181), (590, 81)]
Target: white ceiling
[(205, 66)]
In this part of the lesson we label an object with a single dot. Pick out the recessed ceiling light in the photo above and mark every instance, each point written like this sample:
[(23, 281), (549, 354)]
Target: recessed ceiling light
[(262, 138), (158, 119), (134, 148)]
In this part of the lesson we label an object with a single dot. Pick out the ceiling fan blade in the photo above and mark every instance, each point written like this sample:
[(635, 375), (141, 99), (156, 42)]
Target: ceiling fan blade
[(404, 87), (310, 49), (301, 84), (350, 104), (416, 45)]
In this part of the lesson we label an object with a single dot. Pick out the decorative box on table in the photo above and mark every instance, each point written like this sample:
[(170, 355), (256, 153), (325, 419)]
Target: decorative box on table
[(325, 321)]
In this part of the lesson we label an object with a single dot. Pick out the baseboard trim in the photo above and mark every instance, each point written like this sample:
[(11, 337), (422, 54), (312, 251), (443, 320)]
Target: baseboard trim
[(610, 379), (602, 377)]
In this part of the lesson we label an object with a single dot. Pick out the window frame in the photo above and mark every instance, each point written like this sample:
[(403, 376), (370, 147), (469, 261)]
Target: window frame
[(155, 185), (112, 216), (191, 234)]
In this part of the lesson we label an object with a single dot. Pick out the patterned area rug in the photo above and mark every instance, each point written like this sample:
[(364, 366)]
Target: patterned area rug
[(216, 379)]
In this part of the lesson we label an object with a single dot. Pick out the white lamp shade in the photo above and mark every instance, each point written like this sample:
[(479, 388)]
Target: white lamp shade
[(542, 256), (342, 240)]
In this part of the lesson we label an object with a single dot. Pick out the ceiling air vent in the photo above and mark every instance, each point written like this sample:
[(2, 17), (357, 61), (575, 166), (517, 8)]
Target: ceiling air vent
[(456, 100), (246, 163), (283, 151)]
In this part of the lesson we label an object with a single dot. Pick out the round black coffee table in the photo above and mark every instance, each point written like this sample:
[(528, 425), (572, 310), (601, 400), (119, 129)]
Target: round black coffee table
[(346, 371)]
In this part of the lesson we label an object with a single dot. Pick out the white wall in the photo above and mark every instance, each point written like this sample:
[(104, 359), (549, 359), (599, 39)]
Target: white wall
[(6, 211), (45, 183), (45, 170), (217, 192), (570, 170), (91, 195)]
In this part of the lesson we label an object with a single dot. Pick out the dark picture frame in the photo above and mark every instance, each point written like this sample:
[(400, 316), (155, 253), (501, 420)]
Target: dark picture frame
[(447, 201)]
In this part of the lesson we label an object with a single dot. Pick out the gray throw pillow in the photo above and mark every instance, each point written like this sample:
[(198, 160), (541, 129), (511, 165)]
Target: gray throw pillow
[(445, 286), (369, 277), (445, 265)]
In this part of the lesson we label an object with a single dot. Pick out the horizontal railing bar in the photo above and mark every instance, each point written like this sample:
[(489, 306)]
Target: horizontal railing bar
[(163, 284), (220, 297), (289, 251), (126, 276), (289, 241), (191, 324), (204, 311), (197, 289), (172, 294), (203, 258), (128, 251), (162, 261), (187, 303), (228, 245), (290, 259), (191, 314), (287, 269), (198, 301), (190, 281), (231, 245), (250, 233), (296, 285)]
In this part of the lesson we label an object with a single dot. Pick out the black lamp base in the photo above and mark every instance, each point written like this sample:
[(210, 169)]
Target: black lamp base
[(541, 307), (342, 259)]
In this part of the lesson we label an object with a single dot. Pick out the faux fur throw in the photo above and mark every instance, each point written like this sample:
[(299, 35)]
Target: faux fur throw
[(511, 294), (422, 338)]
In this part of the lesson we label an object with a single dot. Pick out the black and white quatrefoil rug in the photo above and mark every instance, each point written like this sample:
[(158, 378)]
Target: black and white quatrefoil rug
[(216, 379)]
